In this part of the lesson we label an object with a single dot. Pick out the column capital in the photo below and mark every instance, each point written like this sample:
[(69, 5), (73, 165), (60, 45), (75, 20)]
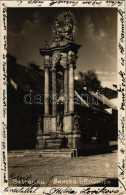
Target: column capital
[(56, 57), (71, 53), (63, 61), (46, 61), (46, 67), (72, 61), (53, 69), (72, 65), (54, 65), (66, 67)]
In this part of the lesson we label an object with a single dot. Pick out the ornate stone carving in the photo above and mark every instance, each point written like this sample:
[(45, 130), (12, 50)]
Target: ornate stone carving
[(46, 45), (46, 67), (60, 121), (56, 56), (76, 122), (64, 28), (55, 59), (40, 123), (63, 60), (71, 65), (46, 64), (53, 135), (71, 59), (46, 61)]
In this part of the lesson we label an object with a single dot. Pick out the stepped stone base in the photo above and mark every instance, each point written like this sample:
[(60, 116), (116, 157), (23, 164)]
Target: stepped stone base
[(53, 143), (62, 140), (44, 153)]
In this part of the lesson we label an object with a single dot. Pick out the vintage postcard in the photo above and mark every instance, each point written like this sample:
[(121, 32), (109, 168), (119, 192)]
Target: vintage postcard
[(62, 97)]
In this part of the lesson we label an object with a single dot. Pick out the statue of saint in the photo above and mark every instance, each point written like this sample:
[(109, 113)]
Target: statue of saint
[(76, 122), (63, 28), (40, 123), (60, 121), (46, 45)]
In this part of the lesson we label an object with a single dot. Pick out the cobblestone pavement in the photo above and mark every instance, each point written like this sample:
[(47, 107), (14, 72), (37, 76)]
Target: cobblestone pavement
[(100, 170)]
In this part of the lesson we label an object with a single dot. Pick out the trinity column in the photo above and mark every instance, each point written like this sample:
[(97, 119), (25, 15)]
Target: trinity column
[(61, 56)]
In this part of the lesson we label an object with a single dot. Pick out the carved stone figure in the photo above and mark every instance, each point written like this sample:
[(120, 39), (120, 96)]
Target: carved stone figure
[(63, 28), (40, 123), (56, 56), (76, 122), (60, 121), (46, 45)]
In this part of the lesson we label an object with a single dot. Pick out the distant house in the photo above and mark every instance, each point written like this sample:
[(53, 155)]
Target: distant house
[(98, 117), (109, 93)]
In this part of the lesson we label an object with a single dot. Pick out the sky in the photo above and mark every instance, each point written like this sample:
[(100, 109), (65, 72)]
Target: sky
[(96, 32)]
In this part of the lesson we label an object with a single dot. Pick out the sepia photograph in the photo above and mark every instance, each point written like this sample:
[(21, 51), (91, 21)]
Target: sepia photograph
[(63, 92), (62, 96)]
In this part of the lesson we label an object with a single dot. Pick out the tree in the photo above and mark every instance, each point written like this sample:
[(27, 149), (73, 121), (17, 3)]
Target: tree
[(89, 80)]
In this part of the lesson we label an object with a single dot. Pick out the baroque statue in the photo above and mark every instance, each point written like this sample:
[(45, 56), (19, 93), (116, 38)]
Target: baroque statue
[(64, 28), (60, 121), (76, 121), (39, 123)]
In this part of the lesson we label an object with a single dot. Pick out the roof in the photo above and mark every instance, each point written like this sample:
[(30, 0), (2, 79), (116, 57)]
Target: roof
[(109, 93), (104, 100), (89, 105), (26, 78), (81, 99)]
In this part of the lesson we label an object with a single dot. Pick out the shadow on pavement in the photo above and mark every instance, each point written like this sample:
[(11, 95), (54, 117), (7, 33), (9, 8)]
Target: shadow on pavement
[(98, 149)]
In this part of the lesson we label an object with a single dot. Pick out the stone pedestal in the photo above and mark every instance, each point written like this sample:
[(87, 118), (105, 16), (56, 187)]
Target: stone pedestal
[(74, 141), (68, 123), (47, 124), (39, 133), (54, 124), (54, 143), (40, 142)]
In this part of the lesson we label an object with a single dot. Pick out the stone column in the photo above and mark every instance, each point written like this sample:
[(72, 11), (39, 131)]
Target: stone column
[(63, 62), (46, 87), (71, 58), (54, 96), (66, 89)]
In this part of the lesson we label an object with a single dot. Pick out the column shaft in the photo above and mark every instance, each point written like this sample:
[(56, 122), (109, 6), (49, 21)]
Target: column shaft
[(54, 92), (46, 95), (66, 90), (71, 88)]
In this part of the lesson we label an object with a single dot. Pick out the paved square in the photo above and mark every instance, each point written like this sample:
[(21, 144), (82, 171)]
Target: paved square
[(78, 171)]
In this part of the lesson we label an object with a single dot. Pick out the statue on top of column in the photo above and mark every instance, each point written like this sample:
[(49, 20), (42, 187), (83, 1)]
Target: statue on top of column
[(64, 28), (46, 45), (76, 121)]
